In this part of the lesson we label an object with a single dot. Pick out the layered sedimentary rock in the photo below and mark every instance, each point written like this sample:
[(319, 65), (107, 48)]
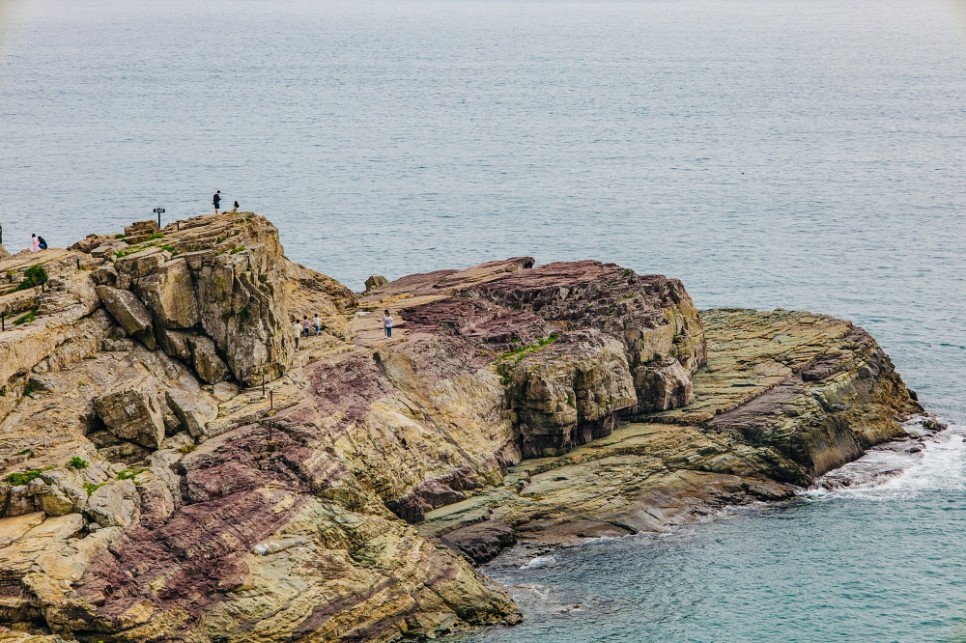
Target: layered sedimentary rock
[(785, 398), (173, 469)]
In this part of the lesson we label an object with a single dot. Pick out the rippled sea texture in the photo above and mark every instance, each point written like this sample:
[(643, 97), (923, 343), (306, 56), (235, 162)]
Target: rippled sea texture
[(798, 154)]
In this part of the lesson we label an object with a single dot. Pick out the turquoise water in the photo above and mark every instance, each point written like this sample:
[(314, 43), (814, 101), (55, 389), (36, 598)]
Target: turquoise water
[(781, 153), (877, 561)]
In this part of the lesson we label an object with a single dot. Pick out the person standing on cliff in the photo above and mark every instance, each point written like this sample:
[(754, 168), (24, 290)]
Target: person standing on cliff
[(216, 200), (297, 327), (387, 323), (34, 243)]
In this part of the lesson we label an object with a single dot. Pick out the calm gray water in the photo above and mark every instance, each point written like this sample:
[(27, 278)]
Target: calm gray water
[(779, 153)]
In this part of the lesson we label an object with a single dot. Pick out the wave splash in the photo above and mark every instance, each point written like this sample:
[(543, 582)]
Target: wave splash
[(928, 461)]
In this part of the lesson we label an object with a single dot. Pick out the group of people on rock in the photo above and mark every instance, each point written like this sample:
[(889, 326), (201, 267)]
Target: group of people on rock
[(216, 201), (302, 328)]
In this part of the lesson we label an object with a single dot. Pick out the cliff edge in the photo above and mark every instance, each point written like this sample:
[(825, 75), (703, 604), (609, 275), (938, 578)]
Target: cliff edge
[(176, 468)]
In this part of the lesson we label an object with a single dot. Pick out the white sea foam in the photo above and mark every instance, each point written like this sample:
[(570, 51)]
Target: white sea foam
[(540, 561), (927, 462)]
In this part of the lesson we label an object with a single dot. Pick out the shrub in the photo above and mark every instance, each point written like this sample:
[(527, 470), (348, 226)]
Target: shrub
[(23, 477), (33, 277), (78, 462)]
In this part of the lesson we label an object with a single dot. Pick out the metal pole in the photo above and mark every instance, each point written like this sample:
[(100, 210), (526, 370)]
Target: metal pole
[(271, 400), (3, 321), (263, 384)]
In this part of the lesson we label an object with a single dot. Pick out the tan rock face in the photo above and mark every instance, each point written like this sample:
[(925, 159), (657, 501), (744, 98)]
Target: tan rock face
[(217, 280), (169, 293), (195, 506)]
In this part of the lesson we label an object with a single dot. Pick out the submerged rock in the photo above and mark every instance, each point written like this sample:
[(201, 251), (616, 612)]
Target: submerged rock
[(174, 470)]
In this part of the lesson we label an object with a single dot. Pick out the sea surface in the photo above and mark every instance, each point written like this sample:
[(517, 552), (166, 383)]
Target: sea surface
[(804, 154)]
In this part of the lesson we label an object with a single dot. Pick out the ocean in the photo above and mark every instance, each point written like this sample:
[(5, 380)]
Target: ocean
[(802, 154)]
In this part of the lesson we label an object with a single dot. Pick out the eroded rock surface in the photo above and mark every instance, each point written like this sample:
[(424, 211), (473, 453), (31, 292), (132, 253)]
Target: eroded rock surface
[(173, 469), (785, 398)]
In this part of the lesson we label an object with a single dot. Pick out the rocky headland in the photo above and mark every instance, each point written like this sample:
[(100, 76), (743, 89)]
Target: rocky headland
[(174, 469)]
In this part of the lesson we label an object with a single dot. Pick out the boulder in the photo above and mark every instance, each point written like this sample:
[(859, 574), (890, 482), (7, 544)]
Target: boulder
[(132, 414), (116, 504), (662, 385), (375, 281), (128, 311), (59, 493), (480, 542), (193, 411), (105, 275)]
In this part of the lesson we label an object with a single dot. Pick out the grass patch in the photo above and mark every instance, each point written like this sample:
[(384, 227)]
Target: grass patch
[(237, 249), (78, 462), (156, 235), (119, 235), (27, 452), (120, 254), (21, 478), (26, 318), (90, 487), (130, 474), (187, 448), (517, 355)]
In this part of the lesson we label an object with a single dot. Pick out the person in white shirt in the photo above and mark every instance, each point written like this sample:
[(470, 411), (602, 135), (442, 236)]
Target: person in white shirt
[(387, 323)]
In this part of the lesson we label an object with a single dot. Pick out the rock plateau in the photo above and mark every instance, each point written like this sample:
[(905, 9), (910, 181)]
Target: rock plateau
[(175, 469)]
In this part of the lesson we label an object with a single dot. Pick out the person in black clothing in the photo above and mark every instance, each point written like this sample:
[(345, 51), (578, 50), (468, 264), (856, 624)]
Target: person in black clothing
[(235, 208), (216, 200)]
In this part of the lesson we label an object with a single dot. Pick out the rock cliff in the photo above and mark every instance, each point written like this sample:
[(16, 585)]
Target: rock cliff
[(176, 468)]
